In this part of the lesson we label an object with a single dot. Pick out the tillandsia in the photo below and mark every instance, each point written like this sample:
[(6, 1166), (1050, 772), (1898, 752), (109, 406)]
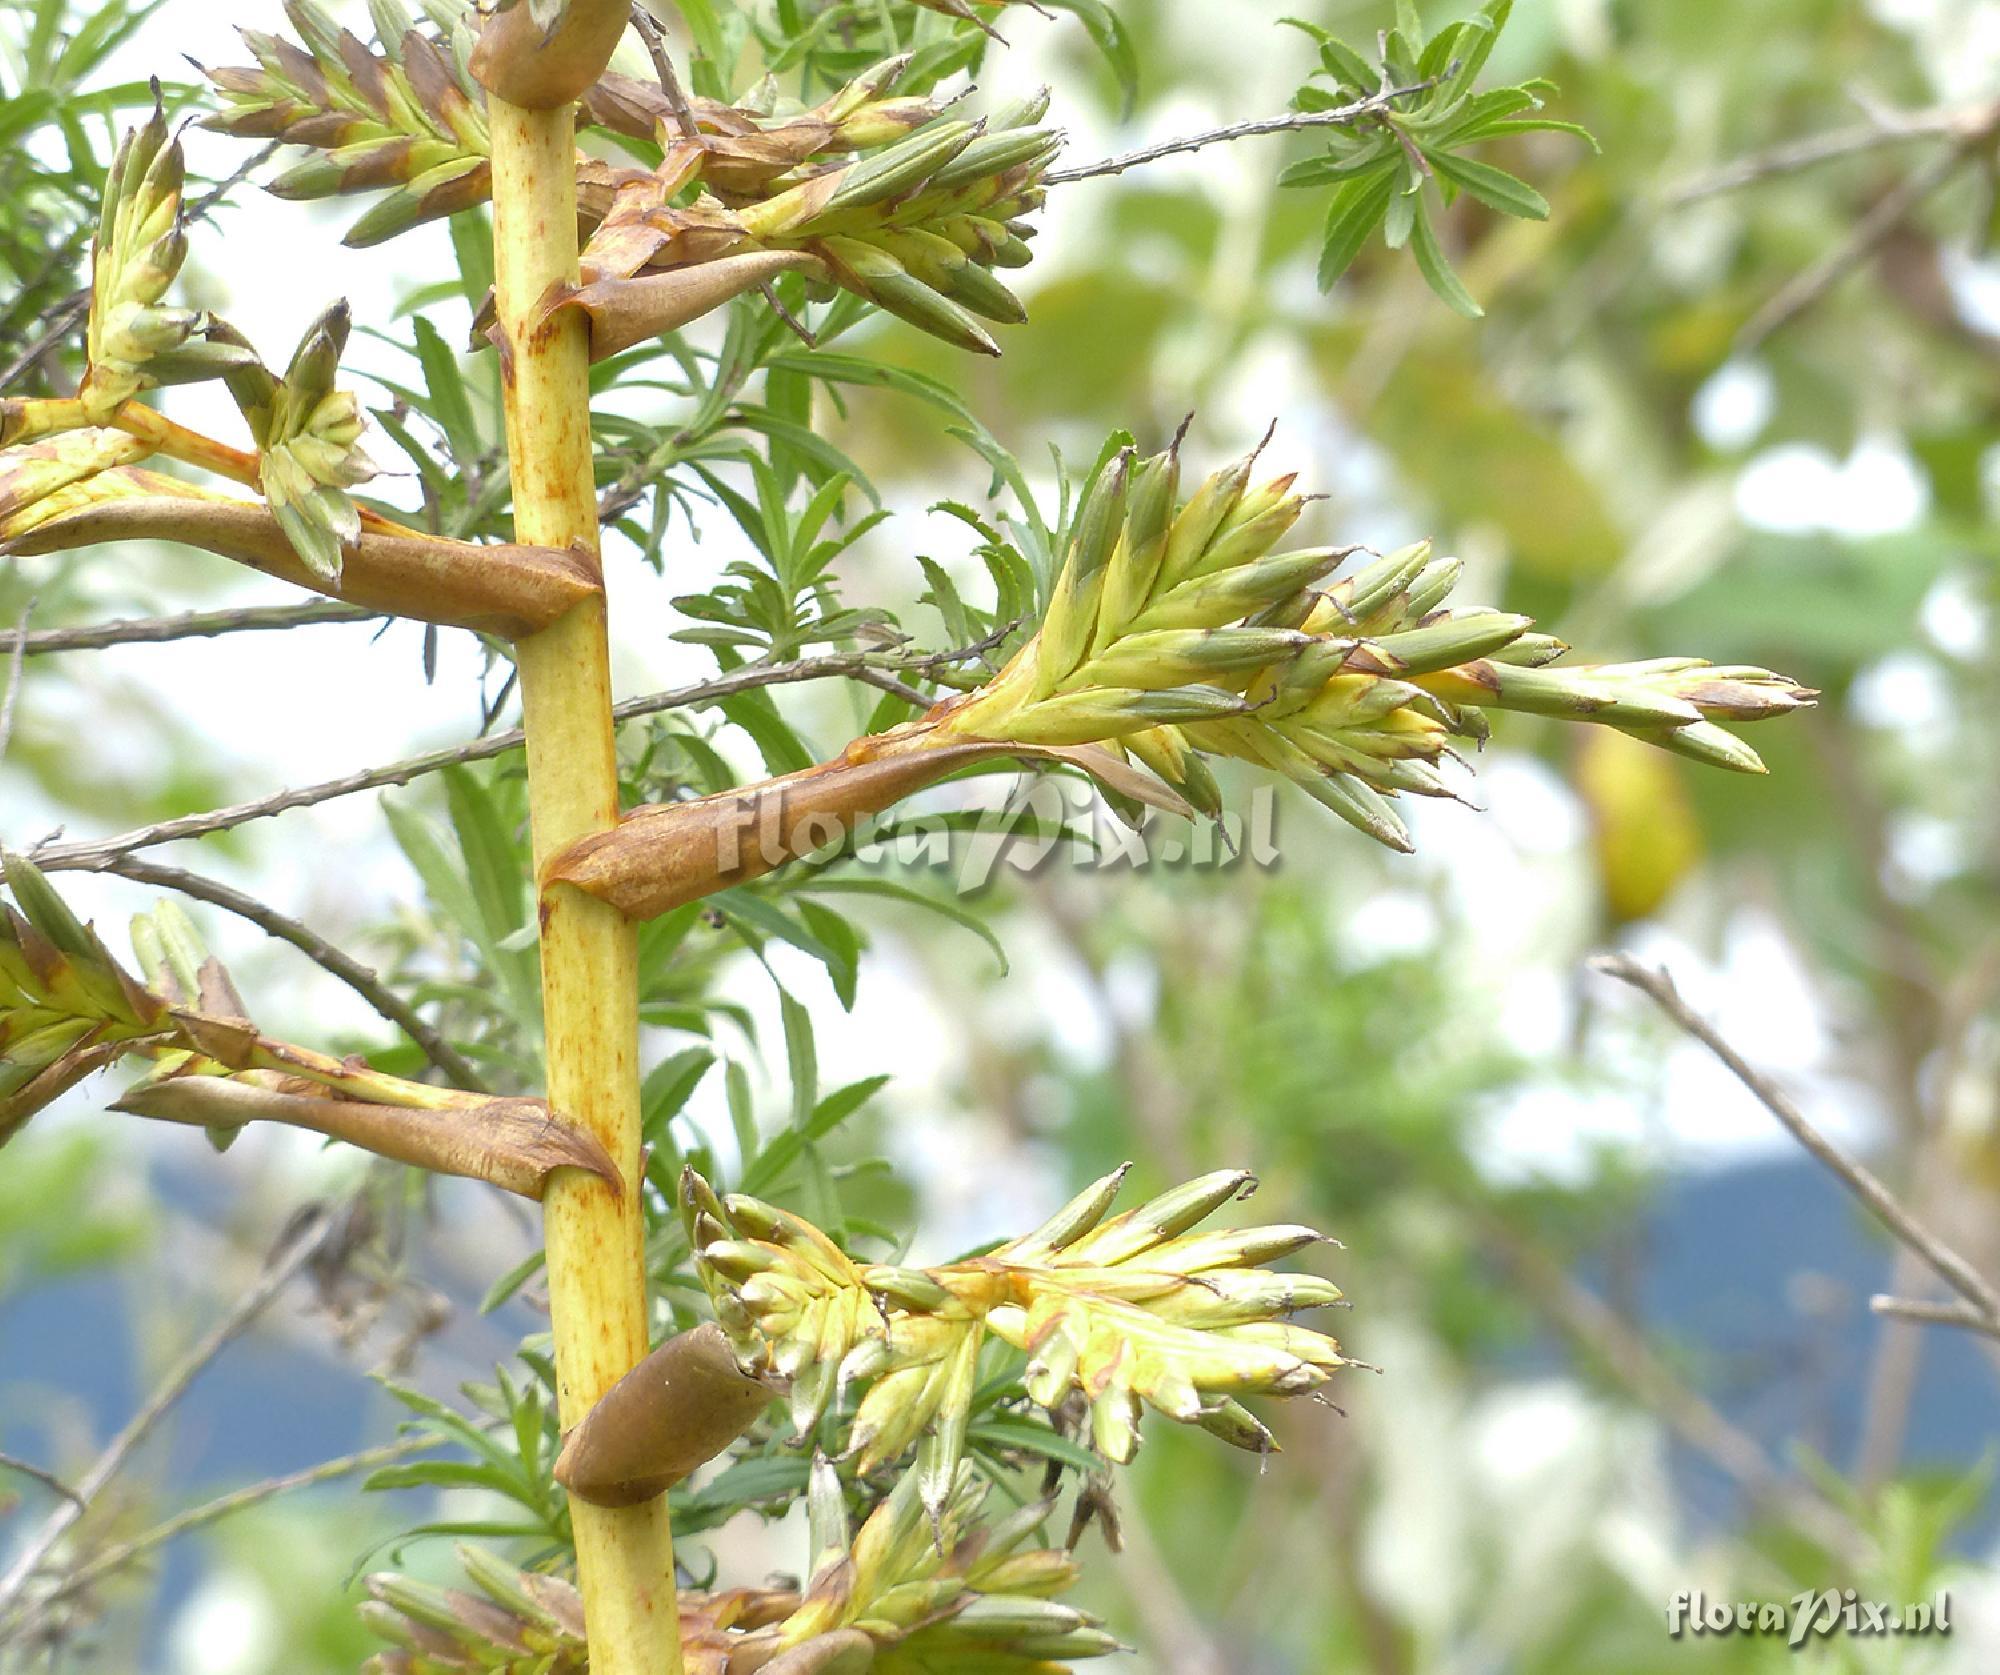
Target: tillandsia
[(408, 120), (880, 194), (63, 457), (1177, 631), (72, 473), (68, 1008), (1135, 1309), (308, 434), (911, 1592), (915, 227), (135, 340)]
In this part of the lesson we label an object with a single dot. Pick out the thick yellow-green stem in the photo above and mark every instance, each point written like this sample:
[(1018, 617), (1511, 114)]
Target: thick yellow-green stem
[(596, 1274)]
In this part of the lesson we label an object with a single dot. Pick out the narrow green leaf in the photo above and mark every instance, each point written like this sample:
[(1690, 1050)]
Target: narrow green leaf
[(1437, 271), (668, 1086), (1354, 212), (801, 1058), (1109, 34), (842, 1103), (742, 1113), (1493, 187)]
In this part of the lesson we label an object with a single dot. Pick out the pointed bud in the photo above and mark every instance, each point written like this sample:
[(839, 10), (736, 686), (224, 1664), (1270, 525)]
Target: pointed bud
[(1236, 1425), (1164, 1217), (1446, 640), (1074, 1219), (1704, 742), (902, 167), (873, 273), (1228, 595), (1106, 712), (1071, 619), (1202, 517), (1172, 656)]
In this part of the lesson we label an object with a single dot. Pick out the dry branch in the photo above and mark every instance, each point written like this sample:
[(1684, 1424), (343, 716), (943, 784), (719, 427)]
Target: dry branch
[(114, 1558), (184, 625), (1884, 1205)]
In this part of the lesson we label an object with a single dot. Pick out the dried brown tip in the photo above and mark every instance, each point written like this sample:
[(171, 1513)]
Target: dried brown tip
[(623, 312), (515, 64)]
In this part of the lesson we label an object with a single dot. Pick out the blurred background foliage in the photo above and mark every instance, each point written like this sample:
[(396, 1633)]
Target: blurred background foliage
[(1719, 402)]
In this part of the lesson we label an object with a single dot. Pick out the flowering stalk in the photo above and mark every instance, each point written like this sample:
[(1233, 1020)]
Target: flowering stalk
[(595, 1234), (880, 195)]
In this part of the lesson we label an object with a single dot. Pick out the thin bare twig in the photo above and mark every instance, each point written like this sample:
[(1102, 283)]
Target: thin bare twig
[(1882, 218), (12, 689), (1949, 1266), (792, 323), (1973, 131), (316, 948), (1885, 129), (301, 1244), (92, 856), (188, 625), (663, 67), (1346, 116), (123, 1553), (47, 1479), (1935, 1314), (67, 317)]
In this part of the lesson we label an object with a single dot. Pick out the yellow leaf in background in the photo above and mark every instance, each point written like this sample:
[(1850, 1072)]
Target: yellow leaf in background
[(1643, 829)]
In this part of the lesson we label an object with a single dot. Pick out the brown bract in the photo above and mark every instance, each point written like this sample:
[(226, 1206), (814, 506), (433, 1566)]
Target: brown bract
[(668, 854), (514, 1144), (675, 1411), (505, 590), (623, 312), (513, 62)]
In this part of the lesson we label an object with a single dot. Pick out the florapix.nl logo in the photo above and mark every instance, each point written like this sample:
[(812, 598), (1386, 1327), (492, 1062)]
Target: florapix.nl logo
[(1047, 820), (1816, 1614)]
